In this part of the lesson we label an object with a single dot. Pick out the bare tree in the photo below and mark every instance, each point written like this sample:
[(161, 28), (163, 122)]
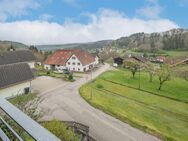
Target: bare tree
[(181, 71), (151, 69), (133, 66), (163, 75)]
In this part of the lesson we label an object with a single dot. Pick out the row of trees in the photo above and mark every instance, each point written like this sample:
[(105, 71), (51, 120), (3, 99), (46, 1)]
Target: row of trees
[(163, 72), (174, 42)]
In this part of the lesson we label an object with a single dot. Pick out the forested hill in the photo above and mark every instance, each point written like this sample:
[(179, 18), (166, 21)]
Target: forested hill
[(89, 45), (175, 39), (6, 45)]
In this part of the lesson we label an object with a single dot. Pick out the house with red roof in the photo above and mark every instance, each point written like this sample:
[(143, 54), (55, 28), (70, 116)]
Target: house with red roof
[(71, 59)]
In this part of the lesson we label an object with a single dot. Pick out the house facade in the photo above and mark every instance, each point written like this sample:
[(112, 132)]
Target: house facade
[(72, 59)]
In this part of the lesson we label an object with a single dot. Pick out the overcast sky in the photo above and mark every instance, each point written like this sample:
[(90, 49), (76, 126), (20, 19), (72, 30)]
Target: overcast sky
[(69, 21)]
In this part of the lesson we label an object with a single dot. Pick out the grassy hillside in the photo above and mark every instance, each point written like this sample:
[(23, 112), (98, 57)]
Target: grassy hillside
[(170, 89), (155, 114)]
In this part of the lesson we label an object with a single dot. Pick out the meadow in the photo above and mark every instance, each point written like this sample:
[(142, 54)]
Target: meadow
[(161, 113)]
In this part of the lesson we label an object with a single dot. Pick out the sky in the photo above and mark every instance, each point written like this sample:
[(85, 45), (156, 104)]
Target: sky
[(37, 22)]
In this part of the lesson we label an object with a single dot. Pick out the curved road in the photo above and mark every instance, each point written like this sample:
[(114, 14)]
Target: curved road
[(64, 103)]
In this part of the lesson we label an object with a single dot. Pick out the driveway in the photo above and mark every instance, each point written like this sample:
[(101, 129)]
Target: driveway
[(63, 102)]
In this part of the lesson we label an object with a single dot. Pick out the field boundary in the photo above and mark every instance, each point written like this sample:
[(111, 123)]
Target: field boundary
[(185, 118), (127, 120), (145, 91)]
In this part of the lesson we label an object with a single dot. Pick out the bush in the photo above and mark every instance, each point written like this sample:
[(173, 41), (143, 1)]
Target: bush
[(48, 72), (70, 77), (100, 86), (61, 131)]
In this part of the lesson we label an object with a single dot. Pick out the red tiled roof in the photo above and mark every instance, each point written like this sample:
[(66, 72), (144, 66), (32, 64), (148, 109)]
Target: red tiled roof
[(62, 56)]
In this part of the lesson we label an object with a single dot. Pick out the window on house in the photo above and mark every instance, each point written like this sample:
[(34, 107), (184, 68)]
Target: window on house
[(68, 63), (78, 63), (73, 68), (73, 63), (78, 69), (58, 65), (74, 58)]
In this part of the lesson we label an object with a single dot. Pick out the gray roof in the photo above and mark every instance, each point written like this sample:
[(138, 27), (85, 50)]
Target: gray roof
[(10, 57), (14, 73)]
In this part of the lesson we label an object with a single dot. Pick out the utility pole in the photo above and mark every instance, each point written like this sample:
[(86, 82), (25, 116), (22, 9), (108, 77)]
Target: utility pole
[(91, 95), (139, 76)]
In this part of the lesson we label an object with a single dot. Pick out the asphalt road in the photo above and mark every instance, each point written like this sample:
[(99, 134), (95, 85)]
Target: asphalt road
[(63, 102)]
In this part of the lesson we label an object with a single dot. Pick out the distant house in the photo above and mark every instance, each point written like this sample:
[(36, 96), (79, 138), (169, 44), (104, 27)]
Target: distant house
[(177, 62), (20, 56), (15, 79), (140, 59), (118, 61), (160, 59), (71, 59)]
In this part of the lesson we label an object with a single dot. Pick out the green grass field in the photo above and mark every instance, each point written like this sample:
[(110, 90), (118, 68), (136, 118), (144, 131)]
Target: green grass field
[(176, 53), (170, 53), (22, 99), (158, 115), (176, 88)]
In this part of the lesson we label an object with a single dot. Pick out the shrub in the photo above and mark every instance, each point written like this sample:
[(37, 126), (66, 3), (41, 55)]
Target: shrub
[(61, 131), (48, 72), (70, 77), (100, 86)]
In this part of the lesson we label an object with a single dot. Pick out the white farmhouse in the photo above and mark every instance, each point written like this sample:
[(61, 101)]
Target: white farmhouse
[(15, 79), (71, 59)]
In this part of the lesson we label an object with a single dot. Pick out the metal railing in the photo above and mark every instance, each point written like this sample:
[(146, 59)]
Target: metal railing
[(35, 130)]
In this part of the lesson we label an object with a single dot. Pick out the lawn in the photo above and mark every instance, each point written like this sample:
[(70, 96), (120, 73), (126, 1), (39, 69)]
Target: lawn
[(50, 73), (22, 99), (176, 88), (176, 53), (170, 53), (155, 114)]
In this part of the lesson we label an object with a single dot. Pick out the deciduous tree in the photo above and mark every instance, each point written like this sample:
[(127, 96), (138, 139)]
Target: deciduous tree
[(151, 69), (163, 75), (181, 71), (133, 66)]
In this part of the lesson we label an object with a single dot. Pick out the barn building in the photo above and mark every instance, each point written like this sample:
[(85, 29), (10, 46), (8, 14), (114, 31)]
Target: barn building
[(16, 72), (15, 79), (19, 56), (71, 59)]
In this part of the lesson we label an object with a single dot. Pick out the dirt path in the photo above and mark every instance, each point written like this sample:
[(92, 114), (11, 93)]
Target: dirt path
[(63, 102)]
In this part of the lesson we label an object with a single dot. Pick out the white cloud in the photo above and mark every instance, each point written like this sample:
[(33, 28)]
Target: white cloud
[(105, 24), (45, 17), (152, 10), (15, 8)]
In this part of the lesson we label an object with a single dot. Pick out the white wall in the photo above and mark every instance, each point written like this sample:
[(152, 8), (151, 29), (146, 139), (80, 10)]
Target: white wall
[(96, 61), (13, 90), (75, 67), (60, 68), (31, 65), (47, 67)]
